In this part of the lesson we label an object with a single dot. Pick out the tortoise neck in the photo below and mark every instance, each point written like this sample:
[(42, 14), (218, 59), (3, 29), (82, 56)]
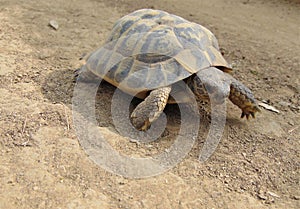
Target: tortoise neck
[(197, 87)]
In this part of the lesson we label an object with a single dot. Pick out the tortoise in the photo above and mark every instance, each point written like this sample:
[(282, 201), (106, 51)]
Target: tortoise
[(150, 51)]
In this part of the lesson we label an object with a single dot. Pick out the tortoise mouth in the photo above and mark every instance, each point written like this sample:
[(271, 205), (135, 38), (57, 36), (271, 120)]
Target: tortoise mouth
[(152, 58)]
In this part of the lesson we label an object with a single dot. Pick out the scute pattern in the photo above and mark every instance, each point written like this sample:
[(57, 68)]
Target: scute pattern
[(148, 49)]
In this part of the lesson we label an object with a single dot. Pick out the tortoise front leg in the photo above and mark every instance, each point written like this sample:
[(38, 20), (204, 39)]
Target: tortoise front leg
[(241, 96), (150, 109)]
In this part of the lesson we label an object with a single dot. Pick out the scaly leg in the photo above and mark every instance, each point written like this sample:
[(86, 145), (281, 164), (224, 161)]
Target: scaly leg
[(241, 96), (150, 109)]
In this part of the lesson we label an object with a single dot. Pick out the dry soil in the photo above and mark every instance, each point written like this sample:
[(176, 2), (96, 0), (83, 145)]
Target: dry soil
[(42, 164)]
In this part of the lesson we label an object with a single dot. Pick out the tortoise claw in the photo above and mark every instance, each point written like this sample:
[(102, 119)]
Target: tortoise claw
[(248, 114), (243, 115)]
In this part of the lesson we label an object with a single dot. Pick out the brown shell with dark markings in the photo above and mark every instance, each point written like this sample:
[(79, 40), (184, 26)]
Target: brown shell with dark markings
[(148, 49)]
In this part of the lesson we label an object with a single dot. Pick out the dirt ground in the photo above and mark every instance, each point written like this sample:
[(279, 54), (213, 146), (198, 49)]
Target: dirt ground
[(42, 164)]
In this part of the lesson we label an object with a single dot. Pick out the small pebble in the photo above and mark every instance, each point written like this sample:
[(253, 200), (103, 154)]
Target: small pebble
[(296, 197), (53, 24), (273, 194), (262, 197)]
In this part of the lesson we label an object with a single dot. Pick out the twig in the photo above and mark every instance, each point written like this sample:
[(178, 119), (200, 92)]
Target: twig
[(24, 126), (293, 129), (25, 143), (268, 107), (66, 116)]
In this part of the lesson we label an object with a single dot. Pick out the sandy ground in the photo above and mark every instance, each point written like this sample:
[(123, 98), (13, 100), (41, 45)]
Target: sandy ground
[(42, 164)]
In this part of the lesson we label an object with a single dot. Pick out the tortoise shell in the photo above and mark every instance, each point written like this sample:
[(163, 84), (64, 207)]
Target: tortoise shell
[(148, 49)]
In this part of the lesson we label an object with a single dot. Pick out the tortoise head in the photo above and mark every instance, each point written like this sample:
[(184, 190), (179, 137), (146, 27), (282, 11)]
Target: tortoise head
[(211, 84)]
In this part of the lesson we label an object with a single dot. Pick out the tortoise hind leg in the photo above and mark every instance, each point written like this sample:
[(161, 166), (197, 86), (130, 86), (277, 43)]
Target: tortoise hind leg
[(241, 96), (150, 109)]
